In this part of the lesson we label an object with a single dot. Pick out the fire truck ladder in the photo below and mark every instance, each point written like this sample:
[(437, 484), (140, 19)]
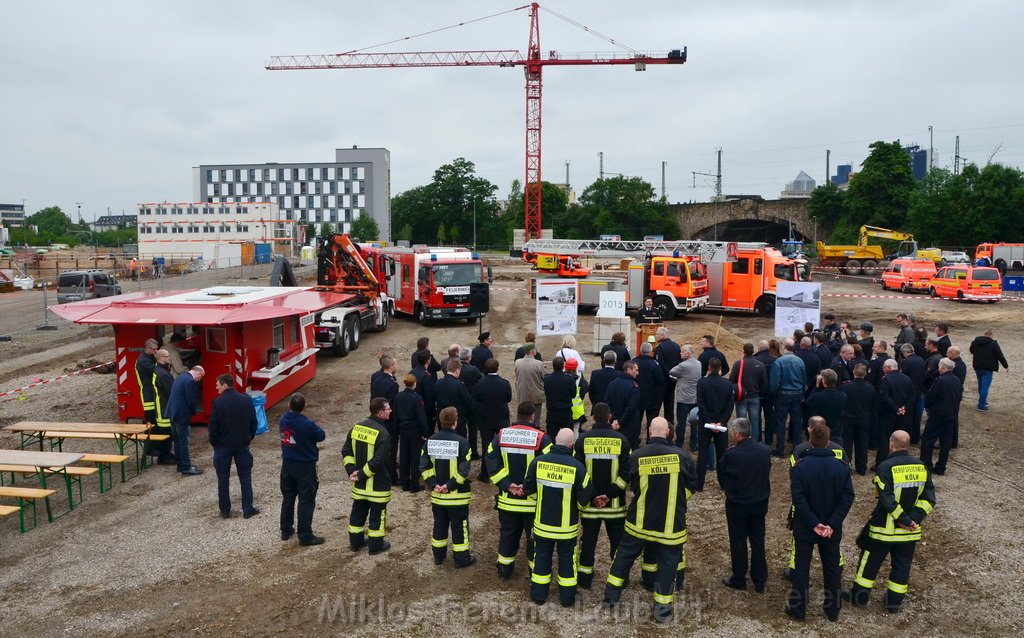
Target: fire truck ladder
[(708, 251)]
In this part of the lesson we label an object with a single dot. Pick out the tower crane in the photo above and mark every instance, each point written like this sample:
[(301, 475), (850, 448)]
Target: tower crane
[(533, 63)]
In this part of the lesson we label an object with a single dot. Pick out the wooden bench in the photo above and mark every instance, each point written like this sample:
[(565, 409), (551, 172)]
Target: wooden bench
[(57, 442), (72, 473), (26, 496), (107, 461)]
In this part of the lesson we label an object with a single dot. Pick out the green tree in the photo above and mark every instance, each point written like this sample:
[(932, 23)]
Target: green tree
[(326, 229), (310, 232), (365, 227), (626, 206), (963, 210), (404, 232), (879, 194), (827, 204), (54, 225)]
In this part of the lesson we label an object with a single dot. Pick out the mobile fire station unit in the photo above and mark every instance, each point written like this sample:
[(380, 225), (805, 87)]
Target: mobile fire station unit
[(684, 276), (432, 283), (262, 336)]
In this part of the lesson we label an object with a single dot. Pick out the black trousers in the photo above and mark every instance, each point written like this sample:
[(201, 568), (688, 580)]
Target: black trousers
[(872, 557), (357, 524), (486, 435), (456, 519), (543, 557), (915, 418), (410, 445), (874, 427), (588, 544), (473, 431), (746, 524), (513, 526), (768, 420), (855, 444), (828, 550), (938, 429), (558, 419), (160, 449), (704, 438), (392, 465), (222, 458), (649, 566), (669, 401), (650, 413), (666, 558), (298, 480), (682, 419)]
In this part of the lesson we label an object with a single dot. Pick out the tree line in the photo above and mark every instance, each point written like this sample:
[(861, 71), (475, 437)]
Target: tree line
[(977, 205)]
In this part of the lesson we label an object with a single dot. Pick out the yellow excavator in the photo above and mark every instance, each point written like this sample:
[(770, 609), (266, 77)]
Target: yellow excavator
[(870, 259)]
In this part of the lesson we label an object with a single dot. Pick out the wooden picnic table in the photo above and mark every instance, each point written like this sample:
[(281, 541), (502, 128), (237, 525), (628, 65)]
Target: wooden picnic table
[(44, 462), (35, 431)]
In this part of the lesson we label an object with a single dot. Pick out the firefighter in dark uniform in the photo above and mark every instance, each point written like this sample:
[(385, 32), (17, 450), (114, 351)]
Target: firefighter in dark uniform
[(663, 479), (562, 486), (425, 382), (798, 453), (384, 384), (605, 452), (450, 391), (509, 455), (162, 382), (623, 397), (145, 373), (648, 314), (365, 455), (905, 497), (445, 468)]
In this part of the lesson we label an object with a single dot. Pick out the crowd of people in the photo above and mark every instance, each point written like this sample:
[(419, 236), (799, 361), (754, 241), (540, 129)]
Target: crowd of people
[(826, 395)]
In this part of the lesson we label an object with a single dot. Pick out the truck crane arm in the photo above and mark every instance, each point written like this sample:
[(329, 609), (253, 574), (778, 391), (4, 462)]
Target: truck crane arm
[(342, 268), (882, 233)]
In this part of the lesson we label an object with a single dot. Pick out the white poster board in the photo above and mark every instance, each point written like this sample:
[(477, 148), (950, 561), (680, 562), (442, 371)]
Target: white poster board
[(612, 303), (556, 306), (797, 302)]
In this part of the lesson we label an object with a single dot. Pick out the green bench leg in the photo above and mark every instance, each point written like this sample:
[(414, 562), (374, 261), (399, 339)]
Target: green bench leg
[(21, 513)]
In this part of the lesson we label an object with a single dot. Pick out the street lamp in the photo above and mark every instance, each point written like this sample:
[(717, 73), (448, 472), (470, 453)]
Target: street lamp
[(474, 223)]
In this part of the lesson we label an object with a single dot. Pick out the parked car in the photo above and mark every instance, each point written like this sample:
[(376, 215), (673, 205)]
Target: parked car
[(954, 257), (908, 275), (976, 283), (76, 285)]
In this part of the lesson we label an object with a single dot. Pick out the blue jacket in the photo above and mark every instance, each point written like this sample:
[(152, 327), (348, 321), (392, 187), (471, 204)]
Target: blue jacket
[(652, 381), (787, 375), (182, 403), (623, 397), (299, 436), (232, 420), (600, 379), (822, 492)]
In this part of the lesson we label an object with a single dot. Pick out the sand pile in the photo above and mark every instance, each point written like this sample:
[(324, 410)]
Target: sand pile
[(730, 345)]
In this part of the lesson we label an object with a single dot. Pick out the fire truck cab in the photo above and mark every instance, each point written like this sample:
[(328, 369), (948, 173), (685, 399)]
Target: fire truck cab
[(678, 283), (434, 283)]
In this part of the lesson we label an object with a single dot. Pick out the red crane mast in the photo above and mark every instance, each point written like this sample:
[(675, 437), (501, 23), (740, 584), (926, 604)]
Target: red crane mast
[(533, 64)]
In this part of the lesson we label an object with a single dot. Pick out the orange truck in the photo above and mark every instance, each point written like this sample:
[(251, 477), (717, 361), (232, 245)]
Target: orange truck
[(684, 276), (1000, 255)]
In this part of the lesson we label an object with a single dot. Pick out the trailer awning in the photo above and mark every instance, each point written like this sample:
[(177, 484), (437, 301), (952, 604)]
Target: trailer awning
[(206, 307)]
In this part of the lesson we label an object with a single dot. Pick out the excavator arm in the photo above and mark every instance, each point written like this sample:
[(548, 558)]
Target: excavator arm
[(882, 233)]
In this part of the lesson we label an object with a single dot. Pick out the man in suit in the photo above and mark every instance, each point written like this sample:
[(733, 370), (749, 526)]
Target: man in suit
[(943, 404), (651, 380), (860, 405), (895, 405), (423, 347), (745, 475), (181, 406), (384, 384), (623, 397), (942, 341), (492, 394), (914, 367), (449, 391), (600, 378), (530, 381), (822, 493), (667, 353), (425, 382), (559, 391), (714, 405), (709, 352), (232, 428), (482, 352)]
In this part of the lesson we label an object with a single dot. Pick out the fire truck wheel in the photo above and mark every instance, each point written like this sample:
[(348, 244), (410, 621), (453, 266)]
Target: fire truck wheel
[(340, 347), (766, 306), (470, 320), (353, 333), (665, 307), (421, 316), (960, 295), (384, 321), (903, 288)]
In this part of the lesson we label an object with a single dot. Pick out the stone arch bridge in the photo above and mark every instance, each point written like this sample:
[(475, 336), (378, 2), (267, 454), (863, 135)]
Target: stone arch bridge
[(747, 219)]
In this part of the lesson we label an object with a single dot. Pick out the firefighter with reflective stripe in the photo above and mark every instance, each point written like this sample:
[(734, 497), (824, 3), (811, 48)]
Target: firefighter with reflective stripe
[(906, 496), (562, 486), (162, 382), (508, 457), (144, 374), (365, 456), (445, 465), (663, 478), (605, 452), (798, 453)]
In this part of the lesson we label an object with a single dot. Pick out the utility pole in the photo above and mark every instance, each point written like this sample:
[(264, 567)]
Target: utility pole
[(79, 204), (956, 157), (663, 165), (717, 176), (828, 165), (600, 164), (566, 178), (931, 150)]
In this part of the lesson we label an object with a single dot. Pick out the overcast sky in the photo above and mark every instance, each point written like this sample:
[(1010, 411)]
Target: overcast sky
[(111, 103)]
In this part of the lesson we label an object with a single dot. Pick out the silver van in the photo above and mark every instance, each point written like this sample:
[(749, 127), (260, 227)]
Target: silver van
[(76, 285)]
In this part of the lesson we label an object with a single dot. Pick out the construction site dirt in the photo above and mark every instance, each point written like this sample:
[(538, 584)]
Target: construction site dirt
[(154, 556)]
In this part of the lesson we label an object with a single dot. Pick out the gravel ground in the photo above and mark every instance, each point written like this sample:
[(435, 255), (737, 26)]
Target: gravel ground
[(153, 554)]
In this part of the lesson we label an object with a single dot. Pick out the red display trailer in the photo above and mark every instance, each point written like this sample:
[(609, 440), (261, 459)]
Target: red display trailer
[(262, 336)]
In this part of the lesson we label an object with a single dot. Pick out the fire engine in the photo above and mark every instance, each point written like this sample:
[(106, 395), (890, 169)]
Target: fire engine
[(683, 276), (1001, 255), (431, 282)]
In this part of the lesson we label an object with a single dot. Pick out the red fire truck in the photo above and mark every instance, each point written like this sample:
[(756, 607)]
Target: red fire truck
[(432, 283)]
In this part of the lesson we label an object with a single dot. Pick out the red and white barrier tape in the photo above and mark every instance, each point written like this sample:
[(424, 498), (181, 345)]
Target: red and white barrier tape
[(61, 377), (857, 296)]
